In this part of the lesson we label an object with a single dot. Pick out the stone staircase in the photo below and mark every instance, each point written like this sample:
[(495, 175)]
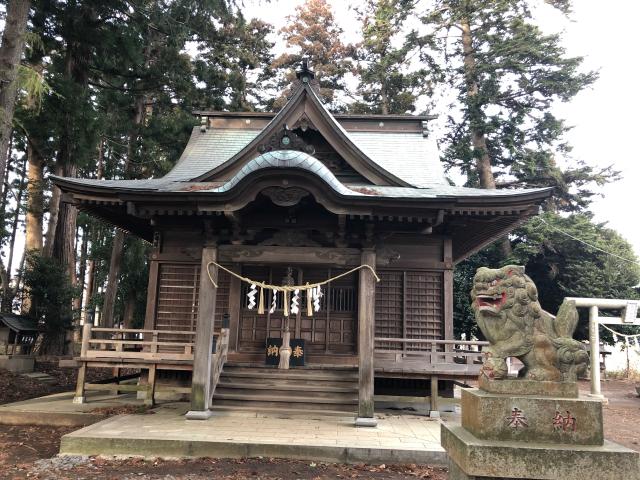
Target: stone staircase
[(306, 390)]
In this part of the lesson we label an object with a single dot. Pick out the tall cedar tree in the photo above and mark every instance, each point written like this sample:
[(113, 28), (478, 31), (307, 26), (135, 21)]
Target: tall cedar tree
[(238, 83), (11, 48), (507, 74), (389, 81), (313, 33)]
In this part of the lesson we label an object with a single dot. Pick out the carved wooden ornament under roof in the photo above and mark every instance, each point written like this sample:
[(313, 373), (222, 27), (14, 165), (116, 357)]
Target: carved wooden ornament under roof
[(285, 139)]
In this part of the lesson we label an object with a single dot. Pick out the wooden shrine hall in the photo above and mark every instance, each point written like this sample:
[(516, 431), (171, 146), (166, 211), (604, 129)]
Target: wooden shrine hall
[(286, 199)]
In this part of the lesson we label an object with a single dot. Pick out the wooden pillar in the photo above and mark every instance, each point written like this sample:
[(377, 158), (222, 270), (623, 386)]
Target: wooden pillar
[(448, 290), (366, 331), (152, 295), (433, 411), (235, 289), (86, 336), (151, 392), (201, 377)]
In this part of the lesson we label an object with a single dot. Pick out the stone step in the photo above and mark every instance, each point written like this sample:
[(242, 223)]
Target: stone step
[(310, 396), (308, 367), (41, 377), (307, 389), (282, 406), (288, 384), (257, 396), (288, 374), (287, 410)]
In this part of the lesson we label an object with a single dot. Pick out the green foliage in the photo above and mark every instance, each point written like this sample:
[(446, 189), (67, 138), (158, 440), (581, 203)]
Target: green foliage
[(388, 83), (463, 316), (134, 279), (506, 82), (559, 265), (563, 267), (51, 294)]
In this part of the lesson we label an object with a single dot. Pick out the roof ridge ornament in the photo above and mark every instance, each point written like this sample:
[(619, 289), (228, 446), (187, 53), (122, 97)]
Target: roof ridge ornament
[(304, 73), (306, 76), (286, 139)]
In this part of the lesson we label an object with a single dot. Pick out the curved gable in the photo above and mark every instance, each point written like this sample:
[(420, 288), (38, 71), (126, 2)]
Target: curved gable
[(305, 104)]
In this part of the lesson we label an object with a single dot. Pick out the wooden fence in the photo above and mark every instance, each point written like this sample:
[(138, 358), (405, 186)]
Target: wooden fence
[(426, 356)]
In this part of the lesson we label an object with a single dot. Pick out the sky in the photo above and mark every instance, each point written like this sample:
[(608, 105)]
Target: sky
[(603, 117)]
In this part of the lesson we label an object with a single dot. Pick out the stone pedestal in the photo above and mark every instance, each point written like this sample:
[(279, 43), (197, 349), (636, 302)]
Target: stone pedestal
[(17, 363), (533, 430)]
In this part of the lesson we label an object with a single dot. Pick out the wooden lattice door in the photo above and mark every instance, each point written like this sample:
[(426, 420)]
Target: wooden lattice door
[(332, 330)]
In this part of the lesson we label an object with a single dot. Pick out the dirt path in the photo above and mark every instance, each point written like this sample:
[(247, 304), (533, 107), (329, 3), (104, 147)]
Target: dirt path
[(15, 387), (622, 413)]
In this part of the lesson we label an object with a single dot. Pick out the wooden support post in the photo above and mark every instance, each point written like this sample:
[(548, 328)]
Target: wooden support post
[(152, 386), (201, 377), (448, 292), (433, 411), (366, 331), (82, 371), (235, 289)]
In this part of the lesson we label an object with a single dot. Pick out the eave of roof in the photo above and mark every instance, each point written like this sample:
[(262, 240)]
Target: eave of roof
[(178, 189), (338, 116), (19, 323)]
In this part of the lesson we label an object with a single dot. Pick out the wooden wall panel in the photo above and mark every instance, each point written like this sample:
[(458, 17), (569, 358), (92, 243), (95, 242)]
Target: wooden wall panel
[(424, 302), (177, 303), (409, 304), (177, 298), (389, 294)]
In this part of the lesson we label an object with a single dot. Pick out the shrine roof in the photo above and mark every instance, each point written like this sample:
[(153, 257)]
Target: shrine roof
[(409, 156), (291, 159)]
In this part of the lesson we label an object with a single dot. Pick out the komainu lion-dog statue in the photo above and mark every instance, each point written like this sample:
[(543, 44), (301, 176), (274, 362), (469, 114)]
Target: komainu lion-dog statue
[(505, 302)]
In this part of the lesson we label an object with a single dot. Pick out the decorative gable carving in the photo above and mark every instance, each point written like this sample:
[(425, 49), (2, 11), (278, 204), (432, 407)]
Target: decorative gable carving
[(285, 139)]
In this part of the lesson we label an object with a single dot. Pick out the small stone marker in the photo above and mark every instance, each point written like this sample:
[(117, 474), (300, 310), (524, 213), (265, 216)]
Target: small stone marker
[(535, 426)]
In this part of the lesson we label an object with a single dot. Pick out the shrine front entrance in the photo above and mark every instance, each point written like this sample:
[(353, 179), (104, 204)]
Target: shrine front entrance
[(330, 331)]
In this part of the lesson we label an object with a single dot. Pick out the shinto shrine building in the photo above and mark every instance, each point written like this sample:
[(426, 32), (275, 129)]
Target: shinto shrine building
[(293, 198)]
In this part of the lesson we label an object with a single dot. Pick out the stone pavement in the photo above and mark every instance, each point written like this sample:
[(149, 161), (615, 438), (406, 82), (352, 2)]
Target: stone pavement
[(59, 409), (166, 433)]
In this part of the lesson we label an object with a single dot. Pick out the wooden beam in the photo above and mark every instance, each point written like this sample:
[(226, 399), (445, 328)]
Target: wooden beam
[(366, 334), (201, 378)]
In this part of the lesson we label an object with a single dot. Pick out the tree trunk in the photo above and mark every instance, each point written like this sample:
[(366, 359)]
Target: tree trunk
[(4, 279), (35, 200), (110, 292), (78, 301), (54, 212), (64, 248), (384, 100), (478, 138), (91, 268), (129, 310), (10, 53), (115, 262), (9, 293)]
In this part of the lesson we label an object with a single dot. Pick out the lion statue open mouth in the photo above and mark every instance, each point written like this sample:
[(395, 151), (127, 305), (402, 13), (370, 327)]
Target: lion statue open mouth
[(505, 302)]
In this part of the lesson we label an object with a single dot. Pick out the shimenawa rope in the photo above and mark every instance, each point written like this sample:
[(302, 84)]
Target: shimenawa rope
[(287, 288)]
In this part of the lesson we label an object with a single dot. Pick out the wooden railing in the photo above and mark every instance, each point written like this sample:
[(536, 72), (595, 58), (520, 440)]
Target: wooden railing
[(135, 344), (219, 358), (429, 356)]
